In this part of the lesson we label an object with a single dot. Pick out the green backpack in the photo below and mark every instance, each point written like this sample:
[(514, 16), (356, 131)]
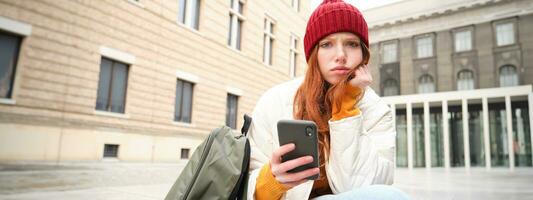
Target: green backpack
[(218, 168)]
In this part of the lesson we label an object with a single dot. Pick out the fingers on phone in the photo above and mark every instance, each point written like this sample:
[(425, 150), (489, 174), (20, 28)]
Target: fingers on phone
[(291, 164), (304, 174), (282, 150), (298, 177)]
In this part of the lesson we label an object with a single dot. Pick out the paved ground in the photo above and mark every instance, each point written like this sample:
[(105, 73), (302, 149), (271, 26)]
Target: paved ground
[(457, 183), (87, 180), (146, 181)]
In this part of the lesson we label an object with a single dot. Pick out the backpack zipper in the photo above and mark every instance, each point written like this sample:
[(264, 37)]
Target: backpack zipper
[(201, 163)]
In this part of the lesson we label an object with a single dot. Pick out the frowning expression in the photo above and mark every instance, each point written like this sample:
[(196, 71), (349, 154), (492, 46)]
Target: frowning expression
[(337, 54)]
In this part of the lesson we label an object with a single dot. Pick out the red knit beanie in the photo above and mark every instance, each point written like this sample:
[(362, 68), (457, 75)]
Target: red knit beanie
[(333, 16)]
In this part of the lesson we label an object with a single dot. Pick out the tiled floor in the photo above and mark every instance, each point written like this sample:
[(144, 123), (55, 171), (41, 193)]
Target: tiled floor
[(458, 183), (145, 181)]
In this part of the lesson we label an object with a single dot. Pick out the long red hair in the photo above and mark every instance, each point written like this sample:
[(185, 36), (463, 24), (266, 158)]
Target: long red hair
[(314, 99)]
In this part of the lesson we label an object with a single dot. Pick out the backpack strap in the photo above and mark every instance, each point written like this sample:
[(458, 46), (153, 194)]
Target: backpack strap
[(246, 125)]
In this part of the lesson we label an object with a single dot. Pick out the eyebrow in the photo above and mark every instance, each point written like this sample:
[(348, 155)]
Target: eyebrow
[(348, 38), (353, 38)]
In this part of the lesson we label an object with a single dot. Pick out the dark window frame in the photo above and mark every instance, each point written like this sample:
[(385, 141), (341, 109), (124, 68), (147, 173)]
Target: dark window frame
[(16, 55), (183, 13), (111, 150), (238, 13), (180, 118), (391, 82), (108, 107), (512, 20), (185, 153), (232, 99)]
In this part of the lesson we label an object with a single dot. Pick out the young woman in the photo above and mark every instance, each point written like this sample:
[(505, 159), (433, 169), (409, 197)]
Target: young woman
[(355, 128)]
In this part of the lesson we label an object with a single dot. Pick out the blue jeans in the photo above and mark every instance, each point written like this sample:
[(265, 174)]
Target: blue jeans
[(372, 192)]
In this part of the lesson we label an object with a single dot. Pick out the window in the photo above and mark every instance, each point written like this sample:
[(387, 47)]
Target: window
[(505, 34), (296, 5), (465, 80), (268, 41), (184, 153), (293, 57), (390, 53), (183, 101), (390, 88), (424, 47), (236, 19), (463, 40), (111, 150), (231, 111), (508, 76), (112, 86), (426, 84), (189, 13), (9, 52)]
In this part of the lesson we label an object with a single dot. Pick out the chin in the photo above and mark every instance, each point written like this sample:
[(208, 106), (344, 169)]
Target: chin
[(333, 81)]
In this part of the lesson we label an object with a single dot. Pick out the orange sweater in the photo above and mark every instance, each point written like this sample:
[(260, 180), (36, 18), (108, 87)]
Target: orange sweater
[(268, 187)]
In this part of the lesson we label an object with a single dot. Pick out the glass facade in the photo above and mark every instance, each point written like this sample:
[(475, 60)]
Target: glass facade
[(455, 121), (521, 134), (401, 138), (419, 158), (475, 135), (499, 151), (436, 137), (498, 138)]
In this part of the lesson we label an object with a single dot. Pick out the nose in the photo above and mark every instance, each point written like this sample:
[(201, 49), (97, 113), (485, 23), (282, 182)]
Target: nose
[(340, 55)]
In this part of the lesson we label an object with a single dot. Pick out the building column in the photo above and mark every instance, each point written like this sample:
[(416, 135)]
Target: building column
[(446, 135), (508, 113), (466, 138), (530, 108), (427, 141), (393, 113), (486, 139), (409, 135)]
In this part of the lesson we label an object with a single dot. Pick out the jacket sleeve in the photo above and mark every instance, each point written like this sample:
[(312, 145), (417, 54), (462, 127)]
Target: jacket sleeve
[(260, 137), (362, 146)]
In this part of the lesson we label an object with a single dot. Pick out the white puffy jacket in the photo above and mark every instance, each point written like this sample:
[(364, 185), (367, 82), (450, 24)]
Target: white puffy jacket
[(362, 147)]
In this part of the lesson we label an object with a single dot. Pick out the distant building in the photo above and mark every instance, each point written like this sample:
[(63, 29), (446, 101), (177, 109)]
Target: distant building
[(458, 76)]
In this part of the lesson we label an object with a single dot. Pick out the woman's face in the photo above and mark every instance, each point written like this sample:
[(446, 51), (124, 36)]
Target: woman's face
[(337, 54)]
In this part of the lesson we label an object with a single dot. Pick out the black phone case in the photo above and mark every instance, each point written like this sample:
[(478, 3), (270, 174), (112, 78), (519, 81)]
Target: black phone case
[(304, 135)]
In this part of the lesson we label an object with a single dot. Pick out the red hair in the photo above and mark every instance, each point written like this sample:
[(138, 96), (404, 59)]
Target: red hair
[(314, 99)]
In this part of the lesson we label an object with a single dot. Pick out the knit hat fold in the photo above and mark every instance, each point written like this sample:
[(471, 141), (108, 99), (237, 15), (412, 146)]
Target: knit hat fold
[(333, 16)]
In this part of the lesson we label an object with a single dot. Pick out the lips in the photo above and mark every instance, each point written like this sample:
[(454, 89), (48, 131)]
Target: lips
[(340, 70)]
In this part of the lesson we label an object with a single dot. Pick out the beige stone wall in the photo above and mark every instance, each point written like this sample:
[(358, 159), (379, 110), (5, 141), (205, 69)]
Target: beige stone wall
[(57, 74)]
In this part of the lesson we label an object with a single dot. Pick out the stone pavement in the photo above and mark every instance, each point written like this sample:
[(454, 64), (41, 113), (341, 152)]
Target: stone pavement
[(105, 180), (458, 183), (148, 181)]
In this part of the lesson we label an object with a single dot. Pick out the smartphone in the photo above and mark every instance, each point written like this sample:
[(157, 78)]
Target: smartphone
[(304, 135)]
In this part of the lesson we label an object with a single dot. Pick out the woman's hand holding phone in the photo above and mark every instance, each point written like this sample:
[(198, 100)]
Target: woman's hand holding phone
[(279, 169)]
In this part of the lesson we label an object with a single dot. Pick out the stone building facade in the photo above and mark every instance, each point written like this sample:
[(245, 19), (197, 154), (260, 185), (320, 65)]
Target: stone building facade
[(137, 80), (458, 77)]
